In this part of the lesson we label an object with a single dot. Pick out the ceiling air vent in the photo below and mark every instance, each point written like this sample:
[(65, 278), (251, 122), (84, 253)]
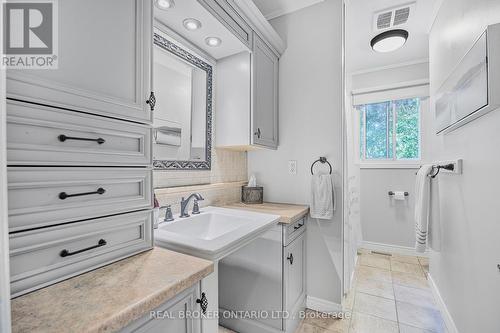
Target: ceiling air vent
[(384, 20), (401, 15), (392, 17)]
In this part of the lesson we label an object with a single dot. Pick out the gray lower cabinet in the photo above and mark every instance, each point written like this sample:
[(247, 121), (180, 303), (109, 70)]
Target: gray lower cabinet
[(171, 317), (44, 256), (269, 275), (295, 278)]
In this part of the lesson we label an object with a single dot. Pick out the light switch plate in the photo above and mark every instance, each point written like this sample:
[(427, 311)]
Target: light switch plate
[(292, 167)]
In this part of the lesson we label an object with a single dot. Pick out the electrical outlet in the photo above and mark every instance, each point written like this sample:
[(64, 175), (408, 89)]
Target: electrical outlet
[(292, 167)]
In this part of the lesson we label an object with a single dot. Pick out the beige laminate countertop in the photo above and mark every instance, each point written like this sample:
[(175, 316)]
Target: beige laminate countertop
[(109, 298), (289, 213)]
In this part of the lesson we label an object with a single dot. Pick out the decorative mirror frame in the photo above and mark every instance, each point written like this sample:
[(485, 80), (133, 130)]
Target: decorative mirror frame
[(195, 61)]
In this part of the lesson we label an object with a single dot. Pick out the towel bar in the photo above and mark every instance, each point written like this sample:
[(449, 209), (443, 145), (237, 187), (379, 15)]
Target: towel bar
[(391, 193)]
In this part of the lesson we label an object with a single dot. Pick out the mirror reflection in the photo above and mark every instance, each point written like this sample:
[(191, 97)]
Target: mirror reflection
[(182, 114)]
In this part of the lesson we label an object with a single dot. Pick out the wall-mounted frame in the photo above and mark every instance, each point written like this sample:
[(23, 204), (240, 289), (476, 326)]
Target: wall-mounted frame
[(473, 88), (192, 59)]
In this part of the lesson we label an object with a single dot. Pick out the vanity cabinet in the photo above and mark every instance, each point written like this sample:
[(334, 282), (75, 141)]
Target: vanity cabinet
[(295, 280), (104, 60), (171, 316), (247, 99)]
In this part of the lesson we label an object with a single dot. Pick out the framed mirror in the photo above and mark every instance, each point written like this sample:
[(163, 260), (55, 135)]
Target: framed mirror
[(182, 125)]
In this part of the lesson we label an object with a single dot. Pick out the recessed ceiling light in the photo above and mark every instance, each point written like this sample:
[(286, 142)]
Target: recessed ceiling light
[(164, 4), (213, 41), (389, 41), (191, 24)]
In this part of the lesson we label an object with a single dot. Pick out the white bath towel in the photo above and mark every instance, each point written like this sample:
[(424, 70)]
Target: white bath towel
[(422, 204), (322, 197)]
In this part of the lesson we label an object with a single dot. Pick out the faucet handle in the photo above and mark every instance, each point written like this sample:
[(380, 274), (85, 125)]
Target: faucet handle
[(196, 207), (168, 214)]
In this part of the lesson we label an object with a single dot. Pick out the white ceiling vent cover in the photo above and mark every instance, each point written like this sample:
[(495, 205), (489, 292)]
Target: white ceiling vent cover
[(392, 17)]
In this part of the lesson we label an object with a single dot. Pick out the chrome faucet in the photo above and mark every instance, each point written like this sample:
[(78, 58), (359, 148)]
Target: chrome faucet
[(185, 202)]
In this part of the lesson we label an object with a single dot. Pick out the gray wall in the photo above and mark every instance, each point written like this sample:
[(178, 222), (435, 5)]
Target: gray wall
[(310, 126), (465, 270), (385, 220)]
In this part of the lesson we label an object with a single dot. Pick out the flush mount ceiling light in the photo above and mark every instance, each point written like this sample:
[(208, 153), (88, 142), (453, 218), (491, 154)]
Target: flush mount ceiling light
[(191, 24), (164, 4), (389, 41), (213, 41)]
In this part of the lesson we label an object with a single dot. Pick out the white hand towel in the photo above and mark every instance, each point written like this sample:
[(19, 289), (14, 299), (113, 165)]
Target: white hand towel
[(422, 201), (322, 197), (434, 234)]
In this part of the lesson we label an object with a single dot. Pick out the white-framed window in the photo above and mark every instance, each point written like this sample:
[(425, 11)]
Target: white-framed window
[(390, 131)]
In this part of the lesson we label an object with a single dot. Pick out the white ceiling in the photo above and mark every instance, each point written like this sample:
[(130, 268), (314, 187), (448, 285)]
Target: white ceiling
[(359, 32), (211, 27), (275, 8)]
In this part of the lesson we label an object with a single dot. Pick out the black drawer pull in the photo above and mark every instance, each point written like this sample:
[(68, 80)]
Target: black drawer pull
[(151, 101), (63, 138), (290, 257), (64, 195), (203, 301), (66, 253), (297, 226)]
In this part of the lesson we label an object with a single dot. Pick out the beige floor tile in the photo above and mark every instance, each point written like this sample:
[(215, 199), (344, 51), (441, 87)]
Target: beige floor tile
[(404, 267), (409, 280), (372, 260), (376, 288), (308, 328), (375, 306), (363, 323), (406, 259), (420, 297), (421, 317), (410, 329), (326, 321), (372, 273)]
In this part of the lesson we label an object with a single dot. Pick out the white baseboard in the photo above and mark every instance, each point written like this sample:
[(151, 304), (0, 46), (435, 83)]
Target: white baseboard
[(448, 320), (402, 250), (321, 305)]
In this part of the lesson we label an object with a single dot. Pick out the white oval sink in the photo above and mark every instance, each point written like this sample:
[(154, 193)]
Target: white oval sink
[(214, 233)]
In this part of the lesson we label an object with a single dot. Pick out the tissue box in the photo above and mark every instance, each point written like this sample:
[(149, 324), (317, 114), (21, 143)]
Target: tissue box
[(252, 195)]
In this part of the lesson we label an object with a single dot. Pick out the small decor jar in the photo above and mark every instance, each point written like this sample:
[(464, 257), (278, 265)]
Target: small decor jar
[(252, 195)]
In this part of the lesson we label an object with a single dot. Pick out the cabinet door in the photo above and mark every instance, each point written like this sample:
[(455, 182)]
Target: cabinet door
[(104, 61), (171, 317), (295, 273), (265, 95)]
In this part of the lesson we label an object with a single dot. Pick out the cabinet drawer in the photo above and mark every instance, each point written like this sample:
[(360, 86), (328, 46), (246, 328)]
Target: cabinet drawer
[(37, 194), (40, 135), (224, 12), (37, 259), (293, 230)]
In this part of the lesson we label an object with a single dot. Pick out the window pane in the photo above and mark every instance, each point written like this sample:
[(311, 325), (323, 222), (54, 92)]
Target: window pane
[(376, 130), (408, 128)]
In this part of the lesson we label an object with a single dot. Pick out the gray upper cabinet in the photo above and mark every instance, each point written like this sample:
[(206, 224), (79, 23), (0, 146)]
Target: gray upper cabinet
[(265, 95), (104, 59)]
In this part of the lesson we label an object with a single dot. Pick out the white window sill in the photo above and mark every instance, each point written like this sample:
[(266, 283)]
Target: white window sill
[(392, 165)]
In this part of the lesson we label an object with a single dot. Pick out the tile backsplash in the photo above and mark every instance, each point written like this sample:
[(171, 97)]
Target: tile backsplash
[(219, 186), (227, 166)]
